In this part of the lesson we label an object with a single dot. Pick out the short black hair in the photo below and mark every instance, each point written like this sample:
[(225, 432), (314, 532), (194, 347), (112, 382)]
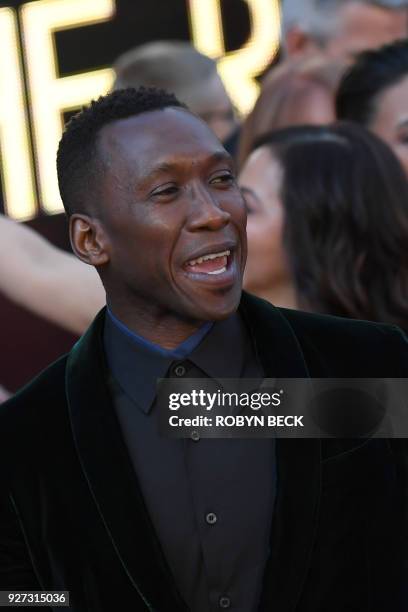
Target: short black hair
[(78, 163), (373, 73)]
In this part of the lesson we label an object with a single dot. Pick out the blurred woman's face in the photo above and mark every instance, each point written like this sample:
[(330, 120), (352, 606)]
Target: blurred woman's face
[(261, 181), (391, 120)]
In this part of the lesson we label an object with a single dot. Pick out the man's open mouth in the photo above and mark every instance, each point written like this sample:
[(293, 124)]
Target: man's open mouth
[(213, 263)]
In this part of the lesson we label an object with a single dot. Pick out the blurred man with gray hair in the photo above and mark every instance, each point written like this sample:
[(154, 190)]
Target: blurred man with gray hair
[(341, 28), (179, 68)]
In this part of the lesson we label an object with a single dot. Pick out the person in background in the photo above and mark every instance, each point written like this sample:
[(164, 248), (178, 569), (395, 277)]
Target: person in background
[(296, 93), (374, 93), (328, 223), (178, 67), (46, 280), (320, 38), (339, 29)]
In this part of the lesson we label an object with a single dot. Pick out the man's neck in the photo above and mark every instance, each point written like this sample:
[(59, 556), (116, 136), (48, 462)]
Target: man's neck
[(161, 328)]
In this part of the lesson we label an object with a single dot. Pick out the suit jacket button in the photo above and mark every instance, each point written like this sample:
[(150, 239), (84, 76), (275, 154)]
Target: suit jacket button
[(224, 602)]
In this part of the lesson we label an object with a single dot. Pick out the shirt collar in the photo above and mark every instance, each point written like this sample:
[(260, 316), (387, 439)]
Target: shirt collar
[(136, 363), (145, 346), (217, 349)]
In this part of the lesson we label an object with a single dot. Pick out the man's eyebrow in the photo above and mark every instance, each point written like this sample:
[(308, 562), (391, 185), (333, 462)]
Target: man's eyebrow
[(220, 156)]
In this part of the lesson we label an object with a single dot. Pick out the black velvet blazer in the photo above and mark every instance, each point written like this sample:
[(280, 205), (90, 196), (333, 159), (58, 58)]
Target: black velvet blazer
[(72, 516)]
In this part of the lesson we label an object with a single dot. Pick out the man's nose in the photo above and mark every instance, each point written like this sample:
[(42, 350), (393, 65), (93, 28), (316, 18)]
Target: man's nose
[(207, 212)]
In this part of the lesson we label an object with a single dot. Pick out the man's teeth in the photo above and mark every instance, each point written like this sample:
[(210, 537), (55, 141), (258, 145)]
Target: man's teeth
[(220, 271), (200, 260)]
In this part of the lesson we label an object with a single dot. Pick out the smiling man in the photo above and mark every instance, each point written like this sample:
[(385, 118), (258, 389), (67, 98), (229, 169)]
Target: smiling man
[(93, 501), (172, 232)]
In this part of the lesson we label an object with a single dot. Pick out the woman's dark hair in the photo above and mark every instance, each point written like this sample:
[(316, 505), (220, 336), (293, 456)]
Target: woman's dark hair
[(345, 199), (371, 74)]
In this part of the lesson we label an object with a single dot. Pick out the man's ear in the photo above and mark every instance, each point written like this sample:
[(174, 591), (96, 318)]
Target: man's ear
[(88, 239)]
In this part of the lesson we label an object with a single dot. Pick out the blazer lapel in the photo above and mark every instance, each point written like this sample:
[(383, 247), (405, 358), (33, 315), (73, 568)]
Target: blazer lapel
[(298, 463), (110, 475)]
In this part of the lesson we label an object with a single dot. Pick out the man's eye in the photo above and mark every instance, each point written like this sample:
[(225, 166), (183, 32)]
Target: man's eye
[(167, 191), (226, 178)]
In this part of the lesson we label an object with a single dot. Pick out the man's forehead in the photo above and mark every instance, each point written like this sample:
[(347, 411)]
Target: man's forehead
[(157, 133), (146, 128)]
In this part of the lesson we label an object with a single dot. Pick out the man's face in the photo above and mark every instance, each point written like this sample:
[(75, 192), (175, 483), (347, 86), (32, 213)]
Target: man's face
[(173, 216), (360, 26)]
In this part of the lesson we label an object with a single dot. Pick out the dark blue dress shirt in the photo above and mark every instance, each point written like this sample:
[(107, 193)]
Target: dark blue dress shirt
[(210, 500)]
